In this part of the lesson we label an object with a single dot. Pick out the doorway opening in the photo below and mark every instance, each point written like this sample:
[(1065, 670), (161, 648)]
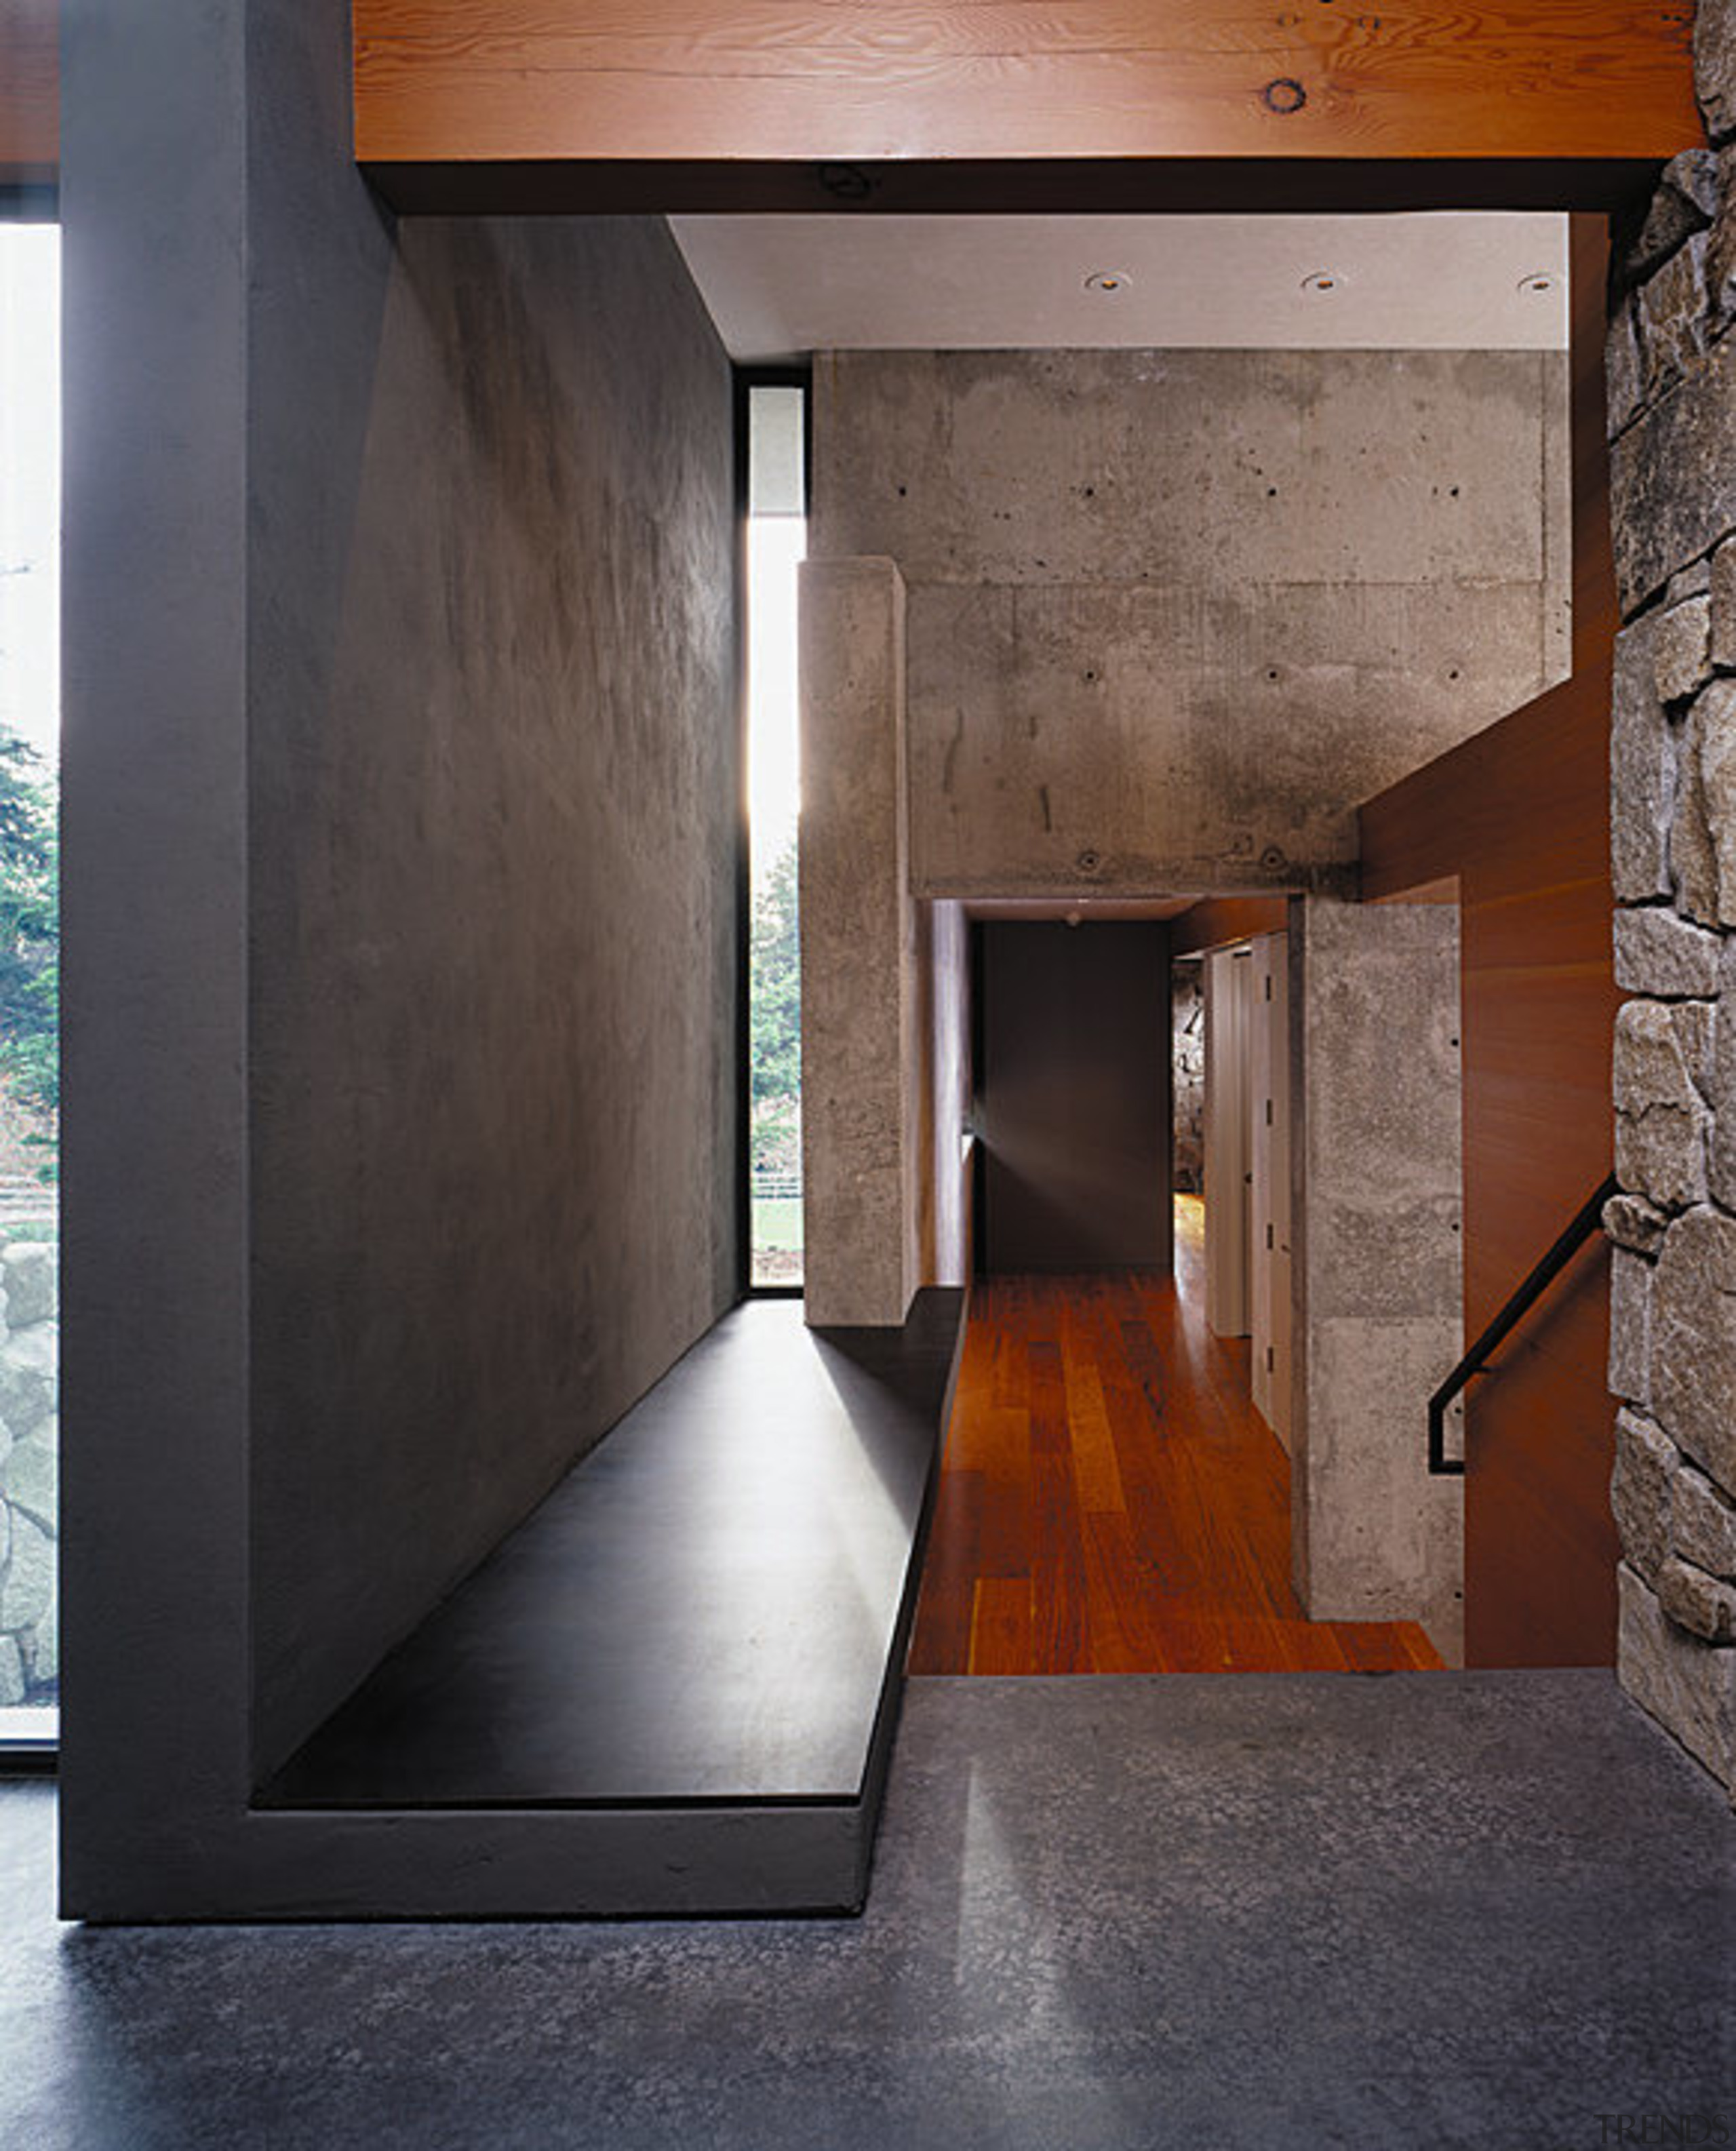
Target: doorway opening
[(1116, 1490)]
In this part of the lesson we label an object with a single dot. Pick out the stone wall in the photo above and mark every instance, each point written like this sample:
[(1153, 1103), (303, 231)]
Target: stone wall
[(1187, 1024), (1672, 423), (29, 1470)]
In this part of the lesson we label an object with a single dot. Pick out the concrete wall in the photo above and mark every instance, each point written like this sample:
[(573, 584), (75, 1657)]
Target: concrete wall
[(492, 783), (401, 799), (1378, 1253), (1173, 613), (1672, 1361), (861, 1007)]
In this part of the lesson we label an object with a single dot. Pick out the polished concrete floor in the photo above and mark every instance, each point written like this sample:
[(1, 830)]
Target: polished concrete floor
[(1297, 1911)]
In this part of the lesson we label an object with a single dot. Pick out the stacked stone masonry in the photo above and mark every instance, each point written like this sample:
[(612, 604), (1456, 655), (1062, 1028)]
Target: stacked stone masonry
[(1672, 361), (29, 1471)]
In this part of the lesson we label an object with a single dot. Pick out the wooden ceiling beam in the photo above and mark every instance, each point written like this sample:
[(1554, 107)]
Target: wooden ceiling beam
[(764, 83), (29, 93)]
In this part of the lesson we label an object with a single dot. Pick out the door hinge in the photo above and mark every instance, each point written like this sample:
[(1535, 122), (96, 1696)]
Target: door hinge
[(1269, 1112), (1269, 1368), (1268, 1238)]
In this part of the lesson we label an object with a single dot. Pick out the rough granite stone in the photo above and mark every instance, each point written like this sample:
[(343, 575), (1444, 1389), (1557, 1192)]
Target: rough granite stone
[(1703, 1523), (28, 1589), (1715, 719), (1673, 318), (1721, 1146), (1703, 833), (1659, 951), (12, 1673), (1693, 582), (43, 1642), (30, 1478), (30, 1277), (1723, 606), (29, 1374), (1686, 1686), (1660, 1118), (1696, 1602), (1630, 1326), (1714, 66), (1681, 649), (1721, 255), (1686, 202), (1624, 386), (1642, 771), (1650, 1067), (1672, 479), (1692, 1022), (1692, 1340), (1639, 1491), (1631, 1221)]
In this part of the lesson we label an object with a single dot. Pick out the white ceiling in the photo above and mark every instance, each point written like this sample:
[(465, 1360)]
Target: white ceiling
[(780, 286)]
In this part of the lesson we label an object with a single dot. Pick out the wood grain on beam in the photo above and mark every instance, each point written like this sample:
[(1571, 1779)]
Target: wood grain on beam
[(492, 80), (1216, 921), (29, 92)]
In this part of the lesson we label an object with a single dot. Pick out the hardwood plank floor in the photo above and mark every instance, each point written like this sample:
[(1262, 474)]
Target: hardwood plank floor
[(1111, 1501)]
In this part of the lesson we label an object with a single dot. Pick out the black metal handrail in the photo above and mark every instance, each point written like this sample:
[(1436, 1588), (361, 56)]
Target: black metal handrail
[(1585, 1222)]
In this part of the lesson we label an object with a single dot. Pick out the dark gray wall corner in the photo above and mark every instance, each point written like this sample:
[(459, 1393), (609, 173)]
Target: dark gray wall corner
[(402, 804), (494, 795)]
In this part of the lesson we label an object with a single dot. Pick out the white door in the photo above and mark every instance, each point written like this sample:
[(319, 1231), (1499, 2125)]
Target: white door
[(1229, 1008)]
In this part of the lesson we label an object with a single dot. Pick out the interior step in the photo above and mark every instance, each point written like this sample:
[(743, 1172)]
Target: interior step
[(694, 1647)]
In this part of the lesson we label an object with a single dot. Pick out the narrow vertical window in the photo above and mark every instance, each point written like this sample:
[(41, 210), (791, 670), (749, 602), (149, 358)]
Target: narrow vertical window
[(29, 980), (776, 544)]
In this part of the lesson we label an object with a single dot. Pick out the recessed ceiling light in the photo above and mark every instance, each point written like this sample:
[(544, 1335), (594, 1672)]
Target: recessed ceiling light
[(1539, 280), (1107, 280), (1322, 281)]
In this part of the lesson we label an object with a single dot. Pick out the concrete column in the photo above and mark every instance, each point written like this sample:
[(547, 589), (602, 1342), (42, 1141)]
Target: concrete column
[(861, 1075), (1378, 1179)]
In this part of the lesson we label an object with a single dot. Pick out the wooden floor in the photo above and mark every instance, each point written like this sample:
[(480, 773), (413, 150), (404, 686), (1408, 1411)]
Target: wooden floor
[(1110, 1500)]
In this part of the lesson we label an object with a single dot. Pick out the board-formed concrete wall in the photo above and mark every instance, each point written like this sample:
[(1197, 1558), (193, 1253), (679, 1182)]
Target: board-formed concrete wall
[(1376, 1214), (862, 990), (1172, 615), (1673, 418)]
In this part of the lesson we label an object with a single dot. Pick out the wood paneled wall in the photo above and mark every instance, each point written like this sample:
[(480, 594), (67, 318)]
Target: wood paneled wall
[(909, 80), (1520, 814), (29, 93)]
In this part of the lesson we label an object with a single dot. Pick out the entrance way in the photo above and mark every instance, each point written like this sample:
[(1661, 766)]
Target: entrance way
[(1111, 1501)]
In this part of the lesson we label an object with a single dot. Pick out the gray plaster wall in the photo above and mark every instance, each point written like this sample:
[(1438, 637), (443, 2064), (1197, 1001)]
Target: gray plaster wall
[(863, 1012), (492, 802), (400, 797), (1672, 365), (1172, 615), (493, 808), (1378, 1182)]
